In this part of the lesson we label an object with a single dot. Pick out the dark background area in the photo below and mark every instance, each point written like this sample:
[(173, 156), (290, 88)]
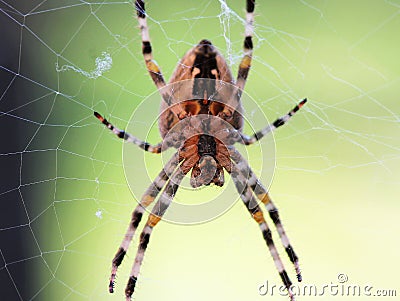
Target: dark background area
[(14, 225)]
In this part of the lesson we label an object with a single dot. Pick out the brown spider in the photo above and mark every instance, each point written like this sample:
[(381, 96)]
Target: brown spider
[(201, 116)]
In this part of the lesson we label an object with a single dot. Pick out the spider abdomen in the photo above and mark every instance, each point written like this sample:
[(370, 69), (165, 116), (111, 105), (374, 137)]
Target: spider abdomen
[(202, 83)]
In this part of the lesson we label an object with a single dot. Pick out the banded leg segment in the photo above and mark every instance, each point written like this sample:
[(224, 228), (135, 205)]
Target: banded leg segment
[(132, 139), (158, 211), (271, 127), (254, 209), (245, 63), (147, 198), (262, 194), (152, 67)]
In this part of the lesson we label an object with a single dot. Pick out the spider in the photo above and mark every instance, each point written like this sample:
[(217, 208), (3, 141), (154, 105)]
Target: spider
[(201, 116)]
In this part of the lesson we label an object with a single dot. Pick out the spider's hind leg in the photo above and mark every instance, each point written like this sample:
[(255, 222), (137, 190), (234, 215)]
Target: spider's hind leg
[(245, 63), (152, 67)]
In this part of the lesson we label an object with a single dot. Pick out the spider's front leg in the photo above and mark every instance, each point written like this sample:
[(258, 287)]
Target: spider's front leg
[(262, 194), (246, 195), (158, 211), (147, 198)]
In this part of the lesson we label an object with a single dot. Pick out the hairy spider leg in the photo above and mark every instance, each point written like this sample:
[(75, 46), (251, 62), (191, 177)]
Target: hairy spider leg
[(244, 139), (246, 195), (132, 139), (152, 67), (147, 198), (245, 63), (262, 194), (158, 211)]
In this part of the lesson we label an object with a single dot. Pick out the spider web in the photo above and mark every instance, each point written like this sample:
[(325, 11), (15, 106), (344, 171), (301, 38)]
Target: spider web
[(64, 199)]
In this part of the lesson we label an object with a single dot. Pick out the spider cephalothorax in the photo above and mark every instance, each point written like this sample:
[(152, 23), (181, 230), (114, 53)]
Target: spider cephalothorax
[(201, 116), (206, 156)]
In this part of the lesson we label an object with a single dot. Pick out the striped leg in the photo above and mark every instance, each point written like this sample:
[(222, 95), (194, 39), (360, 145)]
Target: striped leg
[(262, 194), (271, 127), (245, 64), (129, 138), (152, 67), (147, 198), (158, 211), (251, 204)]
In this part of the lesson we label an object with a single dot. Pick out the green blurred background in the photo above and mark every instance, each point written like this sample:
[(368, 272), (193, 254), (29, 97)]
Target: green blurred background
[(336, 180)]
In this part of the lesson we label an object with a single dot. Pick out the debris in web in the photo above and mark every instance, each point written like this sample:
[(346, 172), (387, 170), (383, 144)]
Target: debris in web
[(103, 64)]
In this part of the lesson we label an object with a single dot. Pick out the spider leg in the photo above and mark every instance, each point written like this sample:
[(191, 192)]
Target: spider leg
[(158, 211), (152, 67), (132, 139), (271, 127), (262, 194), (246, 195), (147, 198), (245, 63)]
